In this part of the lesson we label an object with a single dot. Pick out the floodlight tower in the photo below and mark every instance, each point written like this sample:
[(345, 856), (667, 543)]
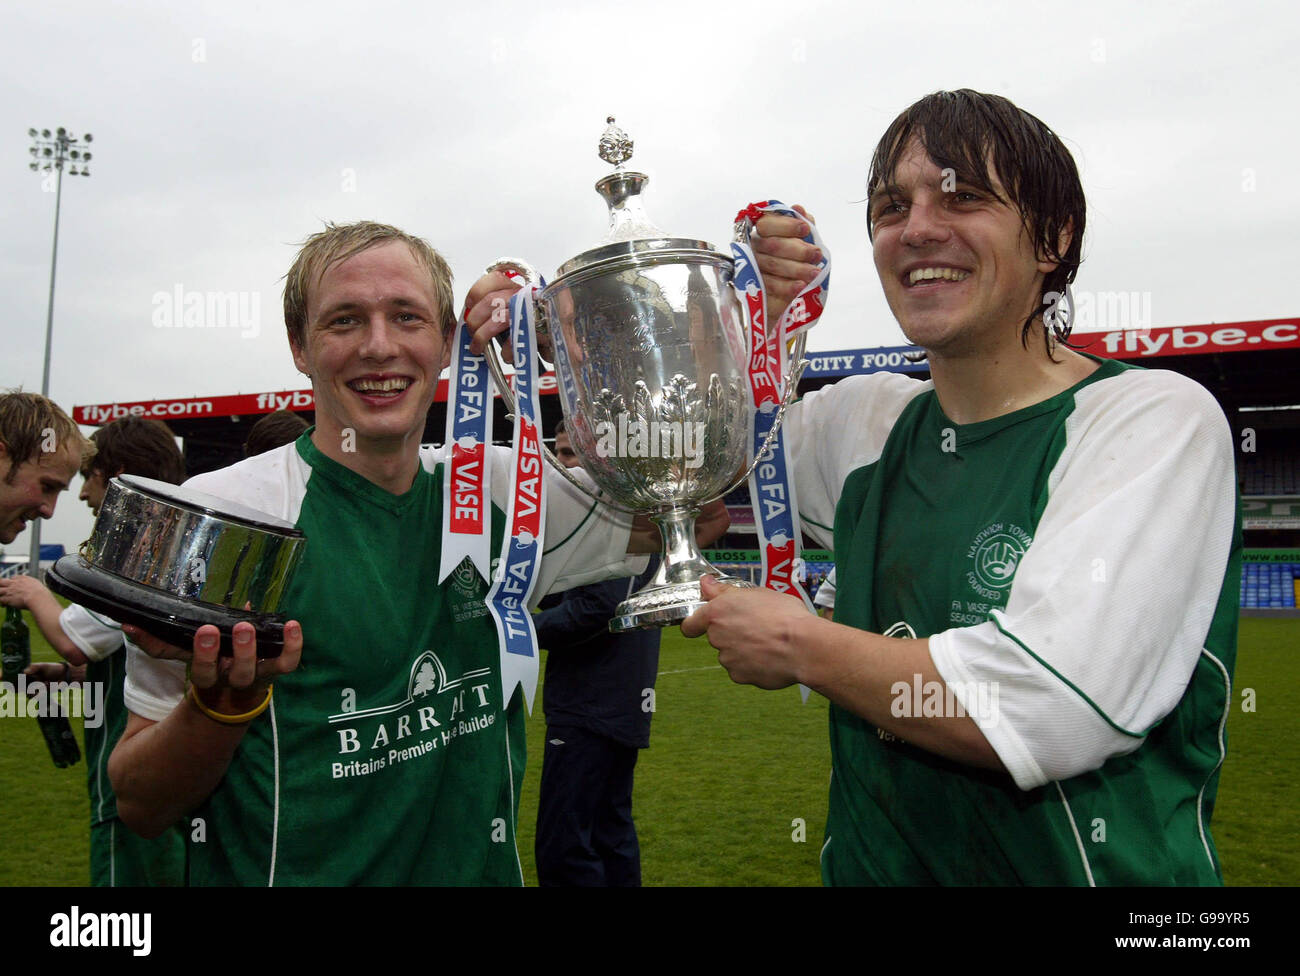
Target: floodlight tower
[(49, 154)]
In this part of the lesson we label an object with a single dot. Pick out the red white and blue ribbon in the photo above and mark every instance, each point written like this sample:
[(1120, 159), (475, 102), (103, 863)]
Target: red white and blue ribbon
[(521, 546), (771, 489), (466, 515)]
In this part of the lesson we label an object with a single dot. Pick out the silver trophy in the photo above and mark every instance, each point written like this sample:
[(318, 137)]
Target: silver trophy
[(651, 344)]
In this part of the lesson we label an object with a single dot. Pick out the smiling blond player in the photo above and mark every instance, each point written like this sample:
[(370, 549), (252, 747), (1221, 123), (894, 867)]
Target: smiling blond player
[(386, 754)]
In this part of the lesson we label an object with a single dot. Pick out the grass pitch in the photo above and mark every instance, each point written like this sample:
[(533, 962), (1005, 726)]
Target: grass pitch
[(733, 789), (1259, 796)]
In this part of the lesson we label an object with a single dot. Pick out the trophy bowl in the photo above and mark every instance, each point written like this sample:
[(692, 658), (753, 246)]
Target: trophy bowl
[(651, 348), (649, 342)]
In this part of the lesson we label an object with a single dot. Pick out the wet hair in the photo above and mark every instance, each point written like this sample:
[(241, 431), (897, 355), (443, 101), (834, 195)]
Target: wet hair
[(272, 431), (28, 421), (136, 445), (338, 242), (964, 130)]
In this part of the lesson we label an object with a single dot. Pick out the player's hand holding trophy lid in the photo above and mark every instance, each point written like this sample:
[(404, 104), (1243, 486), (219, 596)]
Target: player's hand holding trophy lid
[(652, 352)]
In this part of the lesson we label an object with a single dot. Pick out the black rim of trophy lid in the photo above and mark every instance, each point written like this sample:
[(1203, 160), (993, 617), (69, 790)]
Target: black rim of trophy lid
[(166, 615), (206, 504)]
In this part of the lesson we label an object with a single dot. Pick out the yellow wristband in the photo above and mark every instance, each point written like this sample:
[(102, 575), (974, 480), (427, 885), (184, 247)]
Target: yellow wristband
[(226, 719)]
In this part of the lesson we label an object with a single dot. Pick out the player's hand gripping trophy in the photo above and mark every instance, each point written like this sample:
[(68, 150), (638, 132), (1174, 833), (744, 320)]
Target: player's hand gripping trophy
[(652, 349)]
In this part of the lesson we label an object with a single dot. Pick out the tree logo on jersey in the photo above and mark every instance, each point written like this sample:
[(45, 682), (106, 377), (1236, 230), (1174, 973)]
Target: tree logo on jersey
[(994, 555), (426, 680)]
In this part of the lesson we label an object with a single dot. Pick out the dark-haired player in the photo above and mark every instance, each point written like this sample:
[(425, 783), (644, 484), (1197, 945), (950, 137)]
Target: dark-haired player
[(274, 430), (1037, 551)]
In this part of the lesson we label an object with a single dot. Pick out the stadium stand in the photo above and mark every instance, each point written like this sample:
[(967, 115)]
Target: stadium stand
[(1270, 586), (1273, 473)]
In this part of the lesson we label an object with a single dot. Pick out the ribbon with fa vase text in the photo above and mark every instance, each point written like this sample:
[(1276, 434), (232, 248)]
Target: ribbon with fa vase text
[(466, 497), (521, 544), (771, 489)]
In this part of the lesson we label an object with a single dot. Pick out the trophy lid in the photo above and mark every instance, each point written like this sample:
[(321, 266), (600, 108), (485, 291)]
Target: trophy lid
[(632, 235)]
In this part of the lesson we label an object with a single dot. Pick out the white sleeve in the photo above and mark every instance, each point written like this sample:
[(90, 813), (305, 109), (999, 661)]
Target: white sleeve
[(585, 542), (153, 687), (834, 431), (95, 636), (274, 482), (826, 592), (1111, 604)]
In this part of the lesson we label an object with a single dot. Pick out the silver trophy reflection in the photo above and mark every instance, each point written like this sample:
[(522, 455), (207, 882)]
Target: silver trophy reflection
[(650, 347)]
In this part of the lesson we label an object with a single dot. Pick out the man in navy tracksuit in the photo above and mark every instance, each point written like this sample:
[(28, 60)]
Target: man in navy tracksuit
[(598, 697)]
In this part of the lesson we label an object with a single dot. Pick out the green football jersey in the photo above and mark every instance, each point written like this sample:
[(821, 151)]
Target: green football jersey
[(1075, 567), (388, 756), (118, 858), (101, 640)]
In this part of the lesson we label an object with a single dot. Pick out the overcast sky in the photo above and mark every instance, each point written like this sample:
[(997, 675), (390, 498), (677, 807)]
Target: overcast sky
[(226, 132)]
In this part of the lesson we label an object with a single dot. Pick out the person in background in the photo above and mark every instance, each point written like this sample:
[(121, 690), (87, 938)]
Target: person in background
[(40, 450), (272, 431), (824, 601), (598, 698), (93, 649)]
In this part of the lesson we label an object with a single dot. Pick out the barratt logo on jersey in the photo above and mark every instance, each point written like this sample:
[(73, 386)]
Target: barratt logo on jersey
[(436, 709), (994, 556)]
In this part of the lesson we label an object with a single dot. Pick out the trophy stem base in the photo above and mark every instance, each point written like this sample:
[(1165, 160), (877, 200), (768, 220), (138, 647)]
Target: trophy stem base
[(664, 606), (674, 592)]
